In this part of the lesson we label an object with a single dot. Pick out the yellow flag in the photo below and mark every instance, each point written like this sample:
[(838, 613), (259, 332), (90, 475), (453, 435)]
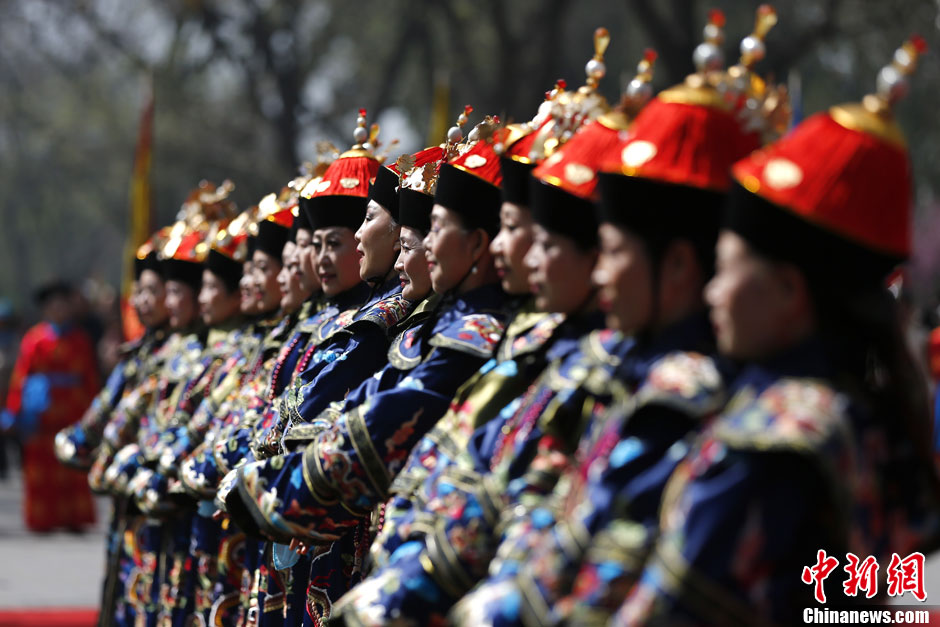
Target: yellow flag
[(440, 109), (141, 221)]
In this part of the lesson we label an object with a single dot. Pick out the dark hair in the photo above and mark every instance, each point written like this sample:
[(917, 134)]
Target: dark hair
[(271, 238), (661, 213), (861, 330), (657, 244), (275, 258), (476, 200), (560, 211), (53, 289), (226, 269), (229, 281), (292, 233)]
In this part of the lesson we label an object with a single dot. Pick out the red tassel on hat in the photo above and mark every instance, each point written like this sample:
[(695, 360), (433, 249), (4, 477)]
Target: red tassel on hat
[(481, 161), (419, 159), (234, 247), (351, 173), (189, 249), (274, 211), (574, 167), (206, 210)]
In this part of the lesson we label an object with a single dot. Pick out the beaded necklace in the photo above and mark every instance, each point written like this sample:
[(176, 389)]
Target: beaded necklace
[(308, 355), (604, 443), (209, 377), (380, 519), (521, 428), (273, 387), (360, 544)]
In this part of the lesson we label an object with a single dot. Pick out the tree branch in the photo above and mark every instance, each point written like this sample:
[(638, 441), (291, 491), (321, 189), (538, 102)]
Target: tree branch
[(674, 43), (110, 37), (462, 64), (546, 66), (785, 55), (409, 32)]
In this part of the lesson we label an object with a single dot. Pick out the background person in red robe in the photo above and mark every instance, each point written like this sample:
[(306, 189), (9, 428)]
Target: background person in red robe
[(55, 378)]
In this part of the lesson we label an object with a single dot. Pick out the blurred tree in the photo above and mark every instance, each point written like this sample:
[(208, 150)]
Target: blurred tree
[(245, 87)]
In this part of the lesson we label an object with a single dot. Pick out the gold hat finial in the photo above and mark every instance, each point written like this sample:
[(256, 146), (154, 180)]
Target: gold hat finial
[(455, 133), (361, 134), (595, 68), (892, 84), (766, 19), (639, 91), (707, 55), (763, 107), (752, 46), (875, 115)]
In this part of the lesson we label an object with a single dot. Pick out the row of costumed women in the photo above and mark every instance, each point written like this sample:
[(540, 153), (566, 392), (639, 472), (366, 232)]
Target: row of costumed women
[(632, 364)]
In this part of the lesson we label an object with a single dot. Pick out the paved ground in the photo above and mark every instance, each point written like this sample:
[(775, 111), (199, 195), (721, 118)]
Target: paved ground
[(58, 569)]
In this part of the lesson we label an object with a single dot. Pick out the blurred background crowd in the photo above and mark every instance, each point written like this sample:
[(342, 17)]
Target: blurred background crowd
[(90, 308)]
